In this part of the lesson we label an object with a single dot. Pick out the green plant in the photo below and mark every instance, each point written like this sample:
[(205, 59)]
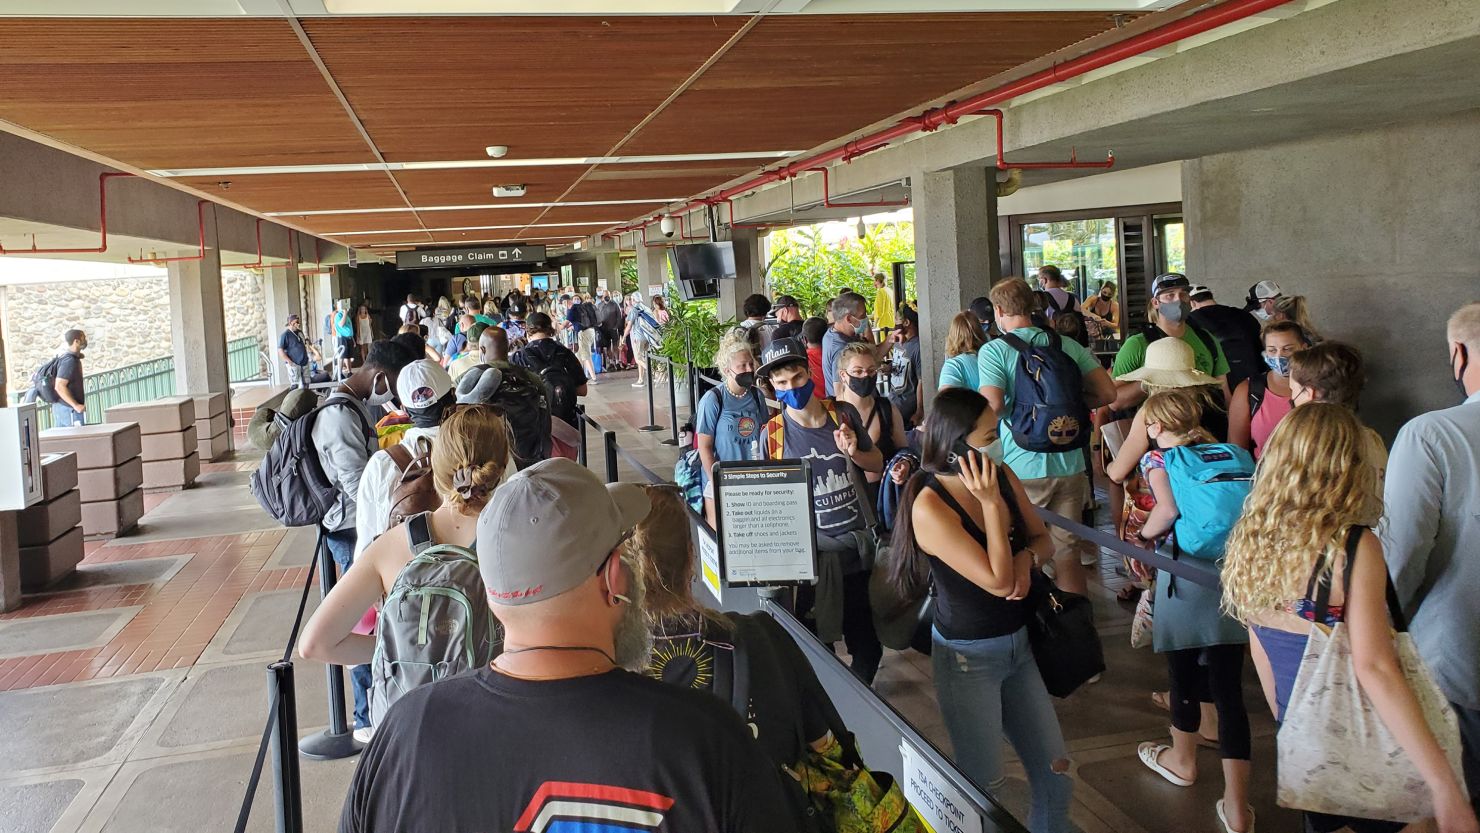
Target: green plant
[(806, 267), (628, 272), (693, 330)]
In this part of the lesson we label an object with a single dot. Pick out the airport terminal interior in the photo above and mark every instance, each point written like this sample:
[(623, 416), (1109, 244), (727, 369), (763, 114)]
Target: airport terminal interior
[(182, 183)]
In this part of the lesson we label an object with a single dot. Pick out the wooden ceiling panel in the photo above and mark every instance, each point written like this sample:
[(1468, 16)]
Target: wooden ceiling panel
[(606, 214), (302, 192), (474, 186), (616, 189), (798, 81), (480, 238), (545, 87), (174, 93)]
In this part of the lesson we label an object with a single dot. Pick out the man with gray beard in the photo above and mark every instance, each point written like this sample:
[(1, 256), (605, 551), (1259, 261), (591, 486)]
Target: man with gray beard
[(558, 728)]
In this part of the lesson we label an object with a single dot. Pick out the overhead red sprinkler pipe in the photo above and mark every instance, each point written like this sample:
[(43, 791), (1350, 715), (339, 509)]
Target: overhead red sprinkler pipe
[(1073, 162), (1194, 24), (827, 200), (259, 264), (200, 210), (102, 225), (734, 225)]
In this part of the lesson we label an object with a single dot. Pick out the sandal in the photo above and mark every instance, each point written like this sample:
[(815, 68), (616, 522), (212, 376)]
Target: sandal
[(1149, 753), (1223, 818)]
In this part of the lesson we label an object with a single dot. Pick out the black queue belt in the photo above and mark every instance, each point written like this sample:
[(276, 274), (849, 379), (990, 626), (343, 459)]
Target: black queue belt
[(1190, 570)]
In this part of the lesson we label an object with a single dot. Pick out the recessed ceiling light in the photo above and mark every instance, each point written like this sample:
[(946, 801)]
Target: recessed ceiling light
[(508, 190), (497, 151)]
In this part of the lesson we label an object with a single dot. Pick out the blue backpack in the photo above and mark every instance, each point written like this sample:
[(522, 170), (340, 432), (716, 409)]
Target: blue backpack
[(1049, 414), (688, 475), (1210, 483)]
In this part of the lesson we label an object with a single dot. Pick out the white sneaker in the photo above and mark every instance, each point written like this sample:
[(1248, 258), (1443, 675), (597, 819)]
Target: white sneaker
[(639, 384), (364, 734)]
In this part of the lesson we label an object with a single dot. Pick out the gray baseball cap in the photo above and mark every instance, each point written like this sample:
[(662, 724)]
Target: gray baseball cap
[(550, 527)]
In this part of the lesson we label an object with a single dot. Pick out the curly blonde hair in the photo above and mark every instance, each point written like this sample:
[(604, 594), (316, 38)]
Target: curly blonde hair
[(1313, 483), (474, 440), (731, 344), (661, 550)]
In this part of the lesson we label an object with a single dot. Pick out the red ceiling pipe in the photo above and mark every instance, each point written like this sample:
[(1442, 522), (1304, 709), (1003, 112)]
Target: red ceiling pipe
[(732, 224), (827, 200), (683, 233), (1176, 30), (259, 264), (102, 225), (200, 210), (1073, 154)]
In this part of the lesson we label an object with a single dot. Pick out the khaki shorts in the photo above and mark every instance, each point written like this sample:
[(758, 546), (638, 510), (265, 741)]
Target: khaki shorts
[(1066, 496), (587, 343)]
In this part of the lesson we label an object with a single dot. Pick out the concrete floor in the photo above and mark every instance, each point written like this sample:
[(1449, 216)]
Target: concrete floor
[(132, 697)]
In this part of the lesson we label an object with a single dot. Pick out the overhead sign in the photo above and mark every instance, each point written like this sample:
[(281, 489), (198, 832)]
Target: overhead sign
[(478, 256), (936, 799), (764, 511)]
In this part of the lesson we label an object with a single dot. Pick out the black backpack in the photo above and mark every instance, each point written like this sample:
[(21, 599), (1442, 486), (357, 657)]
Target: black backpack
[(44, 382), (290, 484), (519, 395), (586, 315), (560, 387), (1049, 414)]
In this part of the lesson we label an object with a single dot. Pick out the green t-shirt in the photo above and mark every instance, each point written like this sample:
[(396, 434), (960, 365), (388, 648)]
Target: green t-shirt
[(1132, 355), (996, 366)]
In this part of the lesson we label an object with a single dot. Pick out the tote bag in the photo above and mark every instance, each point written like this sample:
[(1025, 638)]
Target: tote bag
[(1335, 754)]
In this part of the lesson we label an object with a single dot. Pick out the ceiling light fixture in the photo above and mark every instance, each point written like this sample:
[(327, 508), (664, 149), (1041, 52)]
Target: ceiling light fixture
[(509, 190), (497, 151)]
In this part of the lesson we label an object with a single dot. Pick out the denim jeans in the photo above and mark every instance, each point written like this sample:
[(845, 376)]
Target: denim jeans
[(341, 544), (991, 687), (62, 416)]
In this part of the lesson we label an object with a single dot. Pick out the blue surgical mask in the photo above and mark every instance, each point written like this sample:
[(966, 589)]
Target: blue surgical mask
[(796, 397), (1279, 364)]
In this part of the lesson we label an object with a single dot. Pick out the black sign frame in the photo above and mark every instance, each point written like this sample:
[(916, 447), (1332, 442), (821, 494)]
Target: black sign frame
[(451, 258), (803, 469)]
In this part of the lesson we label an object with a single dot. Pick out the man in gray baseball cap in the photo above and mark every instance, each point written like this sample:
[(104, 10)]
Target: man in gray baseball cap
[(555, 727)]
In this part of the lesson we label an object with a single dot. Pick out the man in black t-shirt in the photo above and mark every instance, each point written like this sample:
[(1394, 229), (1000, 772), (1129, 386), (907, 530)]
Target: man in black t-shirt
[(294, 352), (1237, 332), (69, 408), (556, 732)]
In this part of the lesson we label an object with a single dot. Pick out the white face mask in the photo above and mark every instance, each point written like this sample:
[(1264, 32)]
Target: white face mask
[(993, 451), (377, 398), (1261, 314)]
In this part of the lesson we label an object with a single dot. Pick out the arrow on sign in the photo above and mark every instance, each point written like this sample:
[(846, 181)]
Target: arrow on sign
[(515, 253)]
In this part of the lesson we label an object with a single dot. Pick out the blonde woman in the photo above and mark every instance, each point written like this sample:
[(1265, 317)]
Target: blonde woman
[(963, 340), (469, 458), (858, 374), (1102, 312), (731, 419), (1314, 489)]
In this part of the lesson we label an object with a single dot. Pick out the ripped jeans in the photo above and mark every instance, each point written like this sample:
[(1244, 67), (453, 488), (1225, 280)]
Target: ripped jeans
[(989, 688)]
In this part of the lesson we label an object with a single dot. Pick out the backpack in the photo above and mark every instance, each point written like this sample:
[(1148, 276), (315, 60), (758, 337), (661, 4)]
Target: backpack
[(435, 621), (414, 492), (44, 382), (412, 316), (1048, 410), (1210, 482), (520, 396), (1258, 384), (644, 325), (1153, 332), (560, 387), (586, 315), (688, 474), (290, 484)]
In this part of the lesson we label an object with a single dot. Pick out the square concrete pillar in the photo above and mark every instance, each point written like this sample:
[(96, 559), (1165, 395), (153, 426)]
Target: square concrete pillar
[(652, 269), (283, 297), (609, 269), (750, 263), (198, 319), (956, 253)]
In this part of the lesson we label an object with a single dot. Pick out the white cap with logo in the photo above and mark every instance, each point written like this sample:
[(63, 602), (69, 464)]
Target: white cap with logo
[(422, 384)]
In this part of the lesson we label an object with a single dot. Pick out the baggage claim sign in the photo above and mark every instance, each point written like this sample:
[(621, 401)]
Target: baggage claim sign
[(480, 256)]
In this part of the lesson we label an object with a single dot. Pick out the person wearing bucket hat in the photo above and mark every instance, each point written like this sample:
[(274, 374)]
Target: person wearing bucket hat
[(1171, 306), (557, 724)]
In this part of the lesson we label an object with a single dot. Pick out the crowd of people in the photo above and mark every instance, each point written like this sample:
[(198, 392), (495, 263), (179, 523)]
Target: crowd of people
[(555, 616)]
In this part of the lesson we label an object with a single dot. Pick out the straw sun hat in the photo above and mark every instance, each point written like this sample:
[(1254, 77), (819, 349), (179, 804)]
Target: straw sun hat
[(1170, 363)]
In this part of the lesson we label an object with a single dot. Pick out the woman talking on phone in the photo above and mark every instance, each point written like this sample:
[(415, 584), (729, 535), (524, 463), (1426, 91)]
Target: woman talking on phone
[(965, 522)]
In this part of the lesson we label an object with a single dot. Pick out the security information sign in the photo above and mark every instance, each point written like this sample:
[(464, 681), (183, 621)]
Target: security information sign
[(764, 510), (943, 808), (480, 256)]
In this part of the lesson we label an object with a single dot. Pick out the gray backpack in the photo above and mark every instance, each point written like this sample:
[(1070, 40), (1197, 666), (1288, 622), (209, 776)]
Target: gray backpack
[(434, 623)]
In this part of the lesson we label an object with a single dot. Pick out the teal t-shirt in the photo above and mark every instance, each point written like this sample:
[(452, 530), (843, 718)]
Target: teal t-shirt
[(959, 372), (1132, 355), (996, 366)]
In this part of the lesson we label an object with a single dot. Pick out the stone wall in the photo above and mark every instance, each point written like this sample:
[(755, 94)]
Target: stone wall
[(127, 320)]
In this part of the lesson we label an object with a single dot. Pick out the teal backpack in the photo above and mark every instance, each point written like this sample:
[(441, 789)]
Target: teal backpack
[(1210, 483), (434, 623)]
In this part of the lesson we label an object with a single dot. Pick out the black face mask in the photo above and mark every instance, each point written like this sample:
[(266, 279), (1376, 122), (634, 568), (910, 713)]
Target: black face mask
[(431, 417), (863, 385), (1464, 365), (745, 380)]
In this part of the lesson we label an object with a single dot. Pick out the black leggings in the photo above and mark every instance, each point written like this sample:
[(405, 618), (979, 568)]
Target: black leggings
[(1213, 673)]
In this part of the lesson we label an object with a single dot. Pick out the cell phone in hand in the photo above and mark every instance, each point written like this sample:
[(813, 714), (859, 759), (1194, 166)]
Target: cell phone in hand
[(959, 450)]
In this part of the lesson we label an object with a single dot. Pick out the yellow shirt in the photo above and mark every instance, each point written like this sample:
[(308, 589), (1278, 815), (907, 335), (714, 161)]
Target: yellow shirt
[(883, 309)]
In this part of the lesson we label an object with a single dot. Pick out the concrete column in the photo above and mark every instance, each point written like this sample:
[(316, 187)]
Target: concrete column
[(955, 252), (198, 319), (609, 269), (323, 293), (652, 269), (749, 263), (283, 298)]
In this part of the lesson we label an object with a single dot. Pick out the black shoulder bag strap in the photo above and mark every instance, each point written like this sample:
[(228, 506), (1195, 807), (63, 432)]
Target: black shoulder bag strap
[(418, 533), (1258, 384), (1318, 589)]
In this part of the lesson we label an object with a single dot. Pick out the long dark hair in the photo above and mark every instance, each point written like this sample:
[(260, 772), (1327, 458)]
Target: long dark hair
[(953, 415)]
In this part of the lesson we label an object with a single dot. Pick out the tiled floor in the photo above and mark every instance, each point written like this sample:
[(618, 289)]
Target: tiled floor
[(150, 726)]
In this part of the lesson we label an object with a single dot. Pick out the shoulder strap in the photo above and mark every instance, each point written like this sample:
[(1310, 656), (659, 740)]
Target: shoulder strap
[(933, 484), (739, 675), (401, 456), (1258, 384), (1052, 301), (419, 533), (776, 436), (1207, 339), (1318, 588), (1015, 343)]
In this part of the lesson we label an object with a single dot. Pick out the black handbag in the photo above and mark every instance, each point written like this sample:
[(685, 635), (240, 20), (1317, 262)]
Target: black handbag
[(1061, 629)]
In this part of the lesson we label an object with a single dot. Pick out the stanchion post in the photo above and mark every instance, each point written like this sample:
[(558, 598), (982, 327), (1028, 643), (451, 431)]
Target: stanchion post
[(336, 741), (609, 439), (652, 414), (672, 403), (287, 788), (581, 455)]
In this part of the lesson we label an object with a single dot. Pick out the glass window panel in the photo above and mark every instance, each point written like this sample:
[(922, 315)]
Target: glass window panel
[(1085, 250)]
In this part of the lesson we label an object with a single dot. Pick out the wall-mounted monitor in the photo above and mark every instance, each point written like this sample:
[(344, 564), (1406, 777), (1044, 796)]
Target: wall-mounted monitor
[(703, 261)]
